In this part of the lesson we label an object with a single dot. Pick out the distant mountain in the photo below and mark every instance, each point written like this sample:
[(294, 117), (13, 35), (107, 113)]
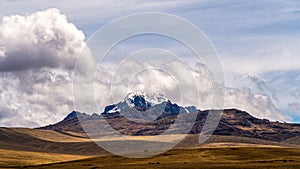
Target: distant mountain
[(144, 107), (157, 114)]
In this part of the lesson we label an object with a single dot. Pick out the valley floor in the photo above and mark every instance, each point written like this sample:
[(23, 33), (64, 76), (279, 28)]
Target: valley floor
[(224, 157), (31, 148)]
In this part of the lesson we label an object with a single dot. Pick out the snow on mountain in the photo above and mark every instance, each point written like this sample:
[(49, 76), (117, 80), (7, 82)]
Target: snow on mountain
[(144, 99), (143, 105)]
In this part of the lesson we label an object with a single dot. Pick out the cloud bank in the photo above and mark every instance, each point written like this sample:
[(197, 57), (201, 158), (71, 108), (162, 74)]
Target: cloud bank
[(256, 103), (37, 56)]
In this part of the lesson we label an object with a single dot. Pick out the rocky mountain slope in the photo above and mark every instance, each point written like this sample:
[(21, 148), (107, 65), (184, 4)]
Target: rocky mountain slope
[(142, 114)]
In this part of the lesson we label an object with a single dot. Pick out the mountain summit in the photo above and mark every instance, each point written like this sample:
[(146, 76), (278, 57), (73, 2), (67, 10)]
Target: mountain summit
[(144, 107), (143, 101)]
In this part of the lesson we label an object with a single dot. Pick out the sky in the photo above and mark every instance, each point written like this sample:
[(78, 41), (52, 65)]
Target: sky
[(257, 43)]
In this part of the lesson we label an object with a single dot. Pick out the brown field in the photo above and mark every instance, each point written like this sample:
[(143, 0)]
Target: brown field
[(10, 158), (234, 157), (31, 148)]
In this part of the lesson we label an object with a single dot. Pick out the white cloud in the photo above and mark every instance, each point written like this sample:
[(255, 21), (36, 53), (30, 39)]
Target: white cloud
[(37, 56), (260, 106), (34, 98), (256, 103), (240, 95), (41, 39)]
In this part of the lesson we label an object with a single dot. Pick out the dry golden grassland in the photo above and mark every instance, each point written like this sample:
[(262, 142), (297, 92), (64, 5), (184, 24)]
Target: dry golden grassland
[(30, 148), (225, 157), (10, 158)]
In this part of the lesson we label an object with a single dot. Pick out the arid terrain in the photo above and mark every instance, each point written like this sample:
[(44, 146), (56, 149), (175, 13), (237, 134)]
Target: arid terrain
[(239, 141), (235, 157), (216, 154), (38, 148)]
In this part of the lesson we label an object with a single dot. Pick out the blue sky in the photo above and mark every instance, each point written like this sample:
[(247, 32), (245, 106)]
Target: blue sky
[(257, 41), (241, 30)]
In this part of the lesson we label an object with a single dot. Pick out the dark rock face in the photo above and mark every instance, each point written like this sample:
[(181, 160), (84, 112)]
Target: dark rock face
[(71, 115), (147, 107), (140, 103), (170, 110), (109, 108)]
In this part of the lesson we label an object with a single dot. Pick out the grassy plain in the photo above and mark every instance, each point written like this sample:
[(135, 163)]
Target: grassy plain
[(30, 148), (224, 157)]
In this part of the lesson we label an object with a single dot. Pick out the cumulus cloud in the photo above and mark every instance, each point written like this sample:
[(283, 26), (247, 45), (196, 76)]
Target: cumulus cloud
[(41, 39), (245, 98), (256, 99), (37, 56), (258, 105), (34, 98)]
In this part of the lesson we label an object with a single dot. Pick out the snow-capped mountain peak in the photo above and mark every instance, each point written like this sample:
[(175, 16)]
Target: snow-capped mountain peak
[(144, 99)]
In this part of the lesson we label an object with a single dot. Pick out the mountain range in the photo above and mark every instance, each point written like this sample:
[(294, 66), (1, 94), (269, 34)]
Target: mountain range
[(142, 114)]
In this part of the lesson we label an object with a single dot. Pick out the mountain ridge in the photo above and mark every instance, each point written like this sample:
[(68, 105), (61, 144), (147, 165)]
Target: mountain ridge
[(137, 115), (233, 123)]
